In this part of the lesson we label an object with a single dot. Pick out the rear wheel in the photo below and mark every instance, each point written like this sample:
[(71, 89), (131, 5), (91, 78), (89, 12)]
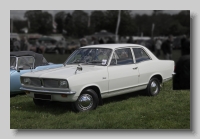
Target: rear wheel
[(88, 100), (153, 87)]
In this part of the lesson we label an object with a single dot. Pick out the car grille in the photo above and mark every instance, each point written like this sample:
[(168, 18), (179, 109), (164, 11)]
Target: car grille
[(39, 82), (51, 83), (36, 82)]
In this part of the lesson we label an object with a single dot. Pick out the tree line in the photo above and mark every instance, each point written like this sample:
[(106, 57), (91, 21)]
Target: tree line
[(80, 23)]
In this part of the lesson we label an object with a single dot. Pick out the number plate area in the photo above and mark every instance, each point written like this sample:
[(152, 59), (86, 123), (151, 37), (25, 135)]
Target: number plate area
[(42, 96)]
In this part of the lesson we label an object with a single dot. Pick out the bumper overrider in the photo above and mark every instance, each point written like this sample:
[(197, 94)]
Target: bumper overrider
[(52, 94)]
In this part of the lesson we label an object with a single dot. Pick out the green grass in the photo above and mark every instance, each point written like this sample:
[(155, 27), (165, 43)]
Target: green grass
[(168, 110)]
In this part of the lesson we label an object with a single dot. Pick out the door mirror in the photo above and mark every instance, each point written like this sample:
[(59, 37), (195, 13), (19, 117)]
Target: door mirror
[(20, 68)]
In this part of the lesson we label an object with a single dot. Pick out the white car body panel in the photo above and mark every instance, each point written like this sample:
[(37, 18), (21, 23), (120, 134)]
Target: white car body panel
[(110, 80)]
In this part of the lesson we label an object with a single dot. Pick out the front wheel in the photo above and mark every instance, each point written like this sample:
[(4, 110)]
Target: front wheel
[(153, 87), (88, 100)]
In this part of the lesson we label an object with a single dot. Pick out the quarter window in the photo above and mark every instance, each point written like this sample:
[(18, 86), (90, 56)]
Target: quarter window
[(122, 57), (140, 55)]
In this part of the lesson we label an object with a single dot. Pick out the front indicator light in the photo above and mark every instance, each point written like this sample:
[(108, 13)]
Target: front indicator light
[(64, 95), (27, 92)]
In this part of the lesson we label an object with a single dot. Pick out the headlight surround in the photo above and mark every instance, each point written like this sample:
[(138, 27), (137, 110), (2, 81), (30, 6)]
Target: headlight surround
[(63, 84), (26, 81)]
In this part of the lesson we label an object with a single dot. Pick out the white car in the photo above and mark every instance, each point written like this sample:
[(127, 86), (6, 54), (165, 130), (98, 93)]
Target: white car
[(95, 72)]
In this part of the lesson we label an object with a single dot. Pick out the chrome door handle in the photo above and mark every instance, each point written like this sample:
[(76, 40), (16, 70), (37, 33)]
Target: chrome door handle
[(135, 68)]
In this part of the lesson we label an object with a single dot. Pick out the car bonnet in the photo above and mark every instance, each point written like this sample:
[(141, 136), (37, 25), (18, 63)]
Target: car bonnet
[(62, 72)]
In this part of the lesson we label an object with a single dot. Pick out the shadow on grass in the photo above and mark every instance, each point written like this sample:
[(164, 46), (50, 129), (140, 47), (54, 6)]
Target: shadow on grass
[(55, 108), (124, 97), (14, 95), (58, 108)]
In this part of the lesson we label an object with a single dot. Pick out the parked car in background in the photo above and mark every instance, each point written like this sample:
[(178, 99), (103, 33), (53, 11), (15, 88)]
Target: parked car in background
[(53, 44), (26, 61), (72, 46), (15, 42), (34, 43), (95, 72)]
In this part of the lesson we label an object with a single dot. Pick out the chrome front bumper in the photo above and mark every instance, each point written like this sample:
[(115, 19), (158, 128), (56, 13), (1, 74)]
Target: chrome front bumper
[(48, 90)]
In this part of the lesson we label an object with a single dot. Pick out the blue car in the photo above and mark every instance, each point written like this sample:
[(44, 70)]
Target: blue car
[(25, 61)]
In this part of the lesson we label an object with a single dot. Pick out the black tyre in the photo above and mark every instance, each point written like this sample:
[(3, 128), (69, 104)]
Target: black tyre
[(153, 87), (39, 102), (88, 100)]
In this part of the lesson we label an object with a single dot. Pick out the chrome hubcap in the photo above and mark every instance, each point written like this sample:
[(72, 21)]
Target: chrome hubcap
[(85, 102), (154, 87)]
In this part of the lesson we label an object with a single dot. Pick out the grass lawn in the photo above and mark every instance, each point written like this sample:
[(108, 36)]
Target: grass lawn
[(168, 110)]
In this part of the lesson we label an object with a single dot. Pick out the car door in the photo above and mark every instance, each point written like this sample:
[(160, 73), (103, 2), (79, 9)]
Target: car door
[(123, 73), (145, 65)]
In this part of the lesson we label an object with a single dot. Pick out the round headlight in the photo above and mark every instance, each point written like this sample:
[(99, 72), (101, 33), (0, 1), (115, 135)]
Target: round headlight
[(63, 84), (27, 81)]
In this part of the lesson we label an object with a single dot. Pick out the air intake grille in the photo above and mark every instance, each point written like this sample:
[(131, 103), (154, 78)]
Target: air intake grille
[(35, 82), (51, 83)]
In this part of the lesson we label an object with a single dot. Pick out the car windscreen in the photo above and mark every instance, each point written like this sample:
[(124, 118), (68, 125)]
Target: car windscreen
[(90, 56)]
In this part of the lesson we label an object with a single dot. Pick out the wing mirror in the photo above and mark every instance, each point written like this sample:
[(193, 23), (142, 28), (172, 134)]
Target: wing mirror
[(20, 68), (79, 68)]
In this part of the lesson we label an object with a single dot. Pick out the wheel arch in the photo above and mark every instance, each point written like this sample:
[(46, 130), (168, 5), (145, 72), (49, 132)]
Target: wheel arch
[(97, 90), (158, 76)]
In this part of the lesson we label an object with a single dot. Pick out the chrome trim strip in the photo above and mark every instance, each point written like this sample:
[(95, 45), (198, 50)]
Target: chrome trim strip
[(50, 91), (126, 88)]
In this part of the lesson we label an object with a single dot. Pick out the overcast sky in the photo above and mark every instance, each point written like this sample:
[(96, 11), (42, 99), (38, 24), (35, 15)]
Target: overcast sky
[(20, 13)]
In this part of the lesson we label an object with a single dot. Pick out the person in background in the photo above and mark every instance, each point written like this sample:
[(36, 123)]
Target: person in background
[(185, 45), (110, 40), (130, 40), (158, 44), (24, 44), (167, 47), (83, 42), (94, 41), (122, 39), (16, 45), (101, 41)]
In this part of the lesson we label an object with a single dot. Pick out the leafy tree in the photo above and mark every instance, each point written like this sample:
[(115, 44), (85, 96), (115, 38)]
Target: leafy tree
[(18, 25), (68, 24), (40, 22), (97, 21), (80, 23), (59, 19)]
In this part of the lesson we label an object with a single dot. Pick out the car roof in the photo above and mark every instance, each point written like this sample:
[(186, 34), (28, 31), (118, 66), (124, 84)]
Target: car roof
[(112, 46), (38, 57)]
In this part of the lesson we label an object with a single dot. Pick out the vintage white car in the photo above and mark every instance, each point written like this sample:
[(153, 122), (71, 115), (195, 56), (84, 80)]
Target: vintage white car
[(95, 72)]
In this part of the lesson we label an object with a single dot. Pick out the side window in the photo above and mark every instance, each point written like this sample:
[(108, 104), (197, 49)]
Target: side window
[(140, 55), (122, 57), (26, 62)]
